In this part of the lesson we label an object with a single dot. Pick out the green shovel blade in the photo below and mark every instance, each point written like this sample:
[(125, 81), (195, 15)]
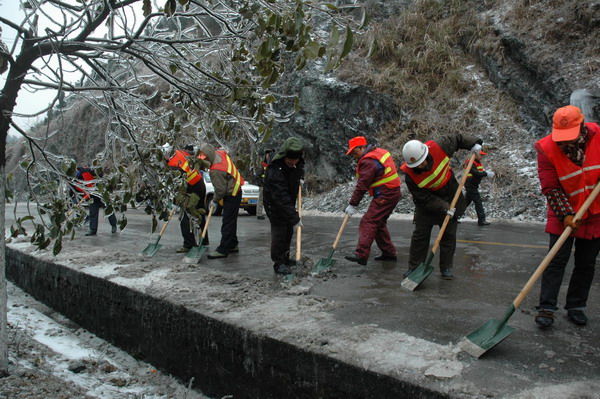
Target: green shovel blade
[(491, 333), (417, 276), (194, 254), (323, 264), (485, 337)]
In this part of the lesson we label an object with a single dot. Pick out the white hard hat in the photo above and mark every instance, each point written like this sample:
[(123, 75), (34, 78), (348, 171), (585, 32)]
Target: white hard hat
[(414, 153)]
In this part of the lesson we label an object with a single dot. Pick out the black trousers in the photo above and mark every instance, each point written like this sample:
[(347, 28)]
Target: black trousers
[(231, 208), (95, 210), (474, 197), (281, 238), (586, 252), (419, 245), (187, 230)]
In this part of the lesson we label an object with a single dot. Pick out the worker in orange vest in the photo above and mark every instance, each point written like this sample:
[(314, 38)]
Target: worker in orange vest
[(88, 175), (376, 174), (474, 177), (431, 182), (227, 182), (568, 169), (195, 185)]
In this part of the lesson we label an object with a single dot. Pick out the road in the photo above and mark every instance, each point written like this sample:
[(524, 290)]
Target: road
[(492, 264)]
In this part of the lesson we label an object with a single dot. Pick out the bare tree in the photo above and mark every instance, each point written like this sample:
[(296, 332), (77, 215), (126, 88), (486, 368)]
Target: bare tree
[(195, 69)]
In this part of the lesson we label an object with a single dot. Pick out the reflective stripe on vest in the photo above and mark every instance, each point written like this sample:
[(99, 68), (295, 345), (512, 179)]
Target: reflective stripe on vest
[(478, 165), (390, 178), (180, 161), (226, 165), (577, 181), (440, 173)]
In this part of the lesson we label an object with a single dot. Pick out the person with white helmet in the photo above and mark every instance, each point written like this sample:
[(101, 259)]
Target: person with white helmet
[(430, 180), (376, 174)]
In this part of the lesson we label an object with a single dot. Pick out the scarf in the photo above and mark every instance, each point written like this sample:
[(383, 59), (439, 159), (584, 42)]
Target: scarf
[(575, 150)]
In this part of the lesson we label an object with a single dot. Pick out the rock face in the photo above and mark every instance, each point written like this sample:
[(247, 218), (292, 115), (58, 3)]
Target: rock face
[(331, 112)]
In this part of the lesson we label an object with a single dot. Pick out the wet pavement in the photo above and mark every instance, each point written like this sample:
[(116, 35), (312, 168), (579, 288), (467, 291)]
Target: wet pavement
[(492, 264)]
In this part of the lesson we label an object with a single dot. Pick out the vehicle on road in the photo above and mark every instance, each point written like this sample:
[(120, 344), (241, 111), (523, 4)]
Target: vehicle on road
[(249, 196)]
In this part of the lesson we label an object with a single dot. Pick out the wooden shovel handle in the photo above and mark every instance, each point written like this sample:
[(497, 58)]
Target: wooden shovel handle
[(339, 234), (561, 240), (162, 230), (453, 203), (205, 226), (299, 232)]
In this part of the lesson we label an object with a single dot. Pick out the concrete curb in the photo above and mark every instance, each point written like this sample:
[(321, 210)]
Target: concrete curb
[(222, 359)]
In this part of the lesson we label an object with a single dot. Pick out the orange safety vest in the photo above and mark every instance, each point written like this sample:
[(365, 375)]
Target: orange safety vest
[(478, 165), (226, 165), (438, 176), (390, 178), (577, 181), (180, 161), (87, 176)]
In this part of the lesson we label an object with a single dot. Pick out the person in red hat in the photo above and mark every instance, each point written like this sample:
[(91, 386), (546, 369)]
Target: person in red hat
[(474, 177), (568, 169), (377, 175)]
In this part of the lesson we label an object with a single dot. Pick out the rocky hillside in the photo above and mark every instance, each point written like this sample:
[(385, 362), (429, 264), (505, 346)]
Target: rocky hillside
[(425, 68)]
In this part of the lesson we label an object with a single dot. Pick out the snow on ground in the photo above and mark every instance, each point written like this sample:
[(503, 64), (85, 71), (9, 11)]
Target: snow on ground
[(50, 356)]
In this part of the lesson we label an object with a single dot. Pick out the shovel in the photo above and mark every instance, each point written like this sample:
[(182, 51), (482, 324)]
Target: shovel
[(326, 263), (299, 231), (424, 269), (494, 331), (153, 248), (195, 253)]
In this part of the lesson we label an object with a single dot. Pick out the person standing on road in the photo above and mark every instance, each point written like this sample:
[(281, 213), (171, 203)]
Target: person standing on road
[(260, 208), (88, 174), (431, 182), (282, 182), (474, 177), (568, 169), (195, 185), (376, 173), (227, 183)]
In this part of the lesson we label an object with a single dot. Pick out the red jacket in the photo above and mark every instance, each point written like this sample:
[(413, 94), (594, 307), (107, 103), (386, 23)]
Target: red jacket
[(589, 227)]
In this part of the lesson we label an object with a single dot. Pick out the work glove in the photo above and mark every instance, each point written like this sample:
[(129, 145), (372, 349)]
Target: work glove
[(212, 207), (568, 222), (476, 148), (299, 224), (450, 212), (350, 210), (490, 173), (302, 182)]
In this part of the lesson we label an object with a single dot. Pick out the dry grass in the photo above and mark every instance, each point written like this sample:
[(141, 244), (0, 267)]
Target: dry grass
[(420, 57)]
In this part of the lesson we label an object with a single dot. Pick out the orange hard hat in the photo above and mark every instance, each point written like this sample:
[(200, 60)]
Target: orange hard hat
[(356, 142)]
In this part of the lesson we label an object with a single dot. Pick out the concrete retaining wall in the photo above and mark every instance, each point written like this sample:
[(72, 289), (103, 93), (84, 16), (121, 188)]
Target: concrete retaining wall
[(223, 359)]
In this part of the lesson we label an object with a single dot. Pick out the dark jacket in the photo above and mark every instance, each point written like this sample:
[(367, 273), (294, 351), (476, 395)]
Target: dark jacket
[(472, 183), (281, 189), (431, 206)]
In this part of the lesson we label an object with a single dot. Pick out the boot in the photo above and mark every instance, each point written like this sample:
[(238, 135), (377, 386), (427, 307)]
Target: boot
[(280, 268), (387, 257), (545, 318), (447, 274), (577, 316), (216, 255), (359, 260), (483, 223)]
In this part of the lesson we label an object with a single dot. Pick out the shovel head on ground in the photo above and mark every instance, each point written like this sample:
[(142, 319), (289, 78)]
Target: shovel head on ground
[(419, 274), (194, 254), (323, 264), (152, 248), (485, 337)]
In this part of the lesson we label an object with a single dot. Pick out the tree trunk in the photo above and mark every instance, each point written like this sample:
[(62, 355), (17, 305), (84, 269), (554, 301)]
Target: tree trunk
[(3, 295)]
